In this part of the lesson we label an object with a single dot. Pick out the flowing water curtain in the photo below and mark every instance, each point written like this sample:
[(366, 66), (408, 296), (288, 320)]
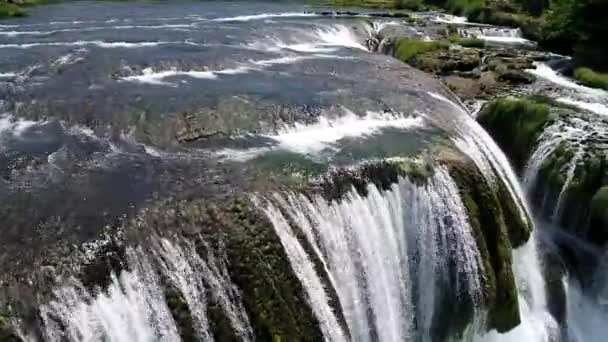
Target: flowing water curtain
[(391, 256), (135, 307)]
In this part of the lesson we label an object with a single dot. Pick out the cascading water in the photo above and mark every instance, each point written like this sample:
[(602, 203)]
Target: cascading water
[(472, 139), (494, 34), (549, 140), (537, 324), (134, 307), (390, 254)]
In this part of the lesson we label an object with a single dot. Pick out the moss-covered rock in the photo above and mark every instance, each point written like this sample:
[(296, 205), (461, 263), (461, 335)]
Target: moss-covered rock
[(436, 56), (382, 173), (492, 231), (515, 124)]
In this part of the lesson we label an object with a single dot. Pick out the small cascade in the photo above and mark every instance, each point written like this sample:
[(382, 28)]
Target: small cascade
[(390, 255), (549, 140), (587, 310), (493, 34), (578, 155), (132, 309), (134, 306)]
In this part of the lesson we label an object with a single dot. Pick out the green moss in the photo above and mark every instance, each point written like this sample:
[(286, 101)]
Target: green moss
[(515, 124), (272, 295), (491, 232), (407, 49), (383, 174), (591, 78), (6, 331)]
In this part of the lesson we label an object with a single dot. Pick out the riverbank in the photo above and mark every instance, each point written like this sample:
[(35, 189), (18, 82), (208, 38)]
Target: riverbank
[(560, 27)]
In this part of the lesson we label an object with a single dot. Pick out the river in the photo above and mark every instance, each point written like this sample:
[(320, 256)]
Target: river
[(107, 108)]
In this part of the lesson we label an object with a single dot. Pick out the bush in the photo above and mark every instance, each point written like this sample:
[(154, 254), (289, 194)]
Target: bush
[(10, 10), (469, 8), (591, 78), (406, 49), (466, 42)]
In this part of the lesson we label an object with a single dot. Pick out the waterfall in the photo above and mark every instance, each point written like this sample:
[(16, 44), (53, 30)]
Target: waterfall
[(537, 323), (587, 311), (473, 140), (390, 255), (134, 307)]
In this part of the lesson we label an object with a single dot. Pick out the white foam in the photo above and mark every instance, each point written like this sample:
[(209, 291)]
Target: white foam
[(314, 138), (150, 76), (8, 74), (595, 107), (266, 16), (339, 35), (324, 39), (450, 19), (16, 127), (95, 28), (505, 40), (98, 43), (70, 58)]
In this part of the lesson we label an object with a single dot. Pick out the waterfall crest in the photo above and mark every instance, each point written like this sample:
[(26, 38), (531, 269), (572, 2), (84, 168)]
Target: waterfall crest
[(390, 255)]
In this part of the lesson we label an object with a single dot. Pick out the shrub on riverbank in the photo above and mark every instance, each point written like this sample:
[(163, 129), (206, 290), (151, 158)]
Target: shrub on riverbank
[(413, 5), (591, 78), (407, 49), (10, 10)]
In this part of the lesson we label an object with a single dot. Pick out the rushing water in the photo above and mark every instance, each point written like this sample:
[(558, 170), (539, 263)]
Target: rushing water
[(134, 308), (91, 97), (377, 249)]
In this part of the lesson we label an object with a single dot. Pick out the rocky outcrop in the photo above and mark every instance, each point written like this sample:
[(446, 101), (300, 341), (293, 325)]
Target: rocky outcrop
[(571, 179), (515, 124)]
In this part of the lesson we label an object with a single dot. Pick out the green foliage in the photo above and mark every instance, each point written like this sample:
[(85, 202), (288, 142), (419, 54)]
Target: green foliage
[(515, 124), (599, 206), (413, 5), (10, 10), (469, 8), (466, 42), (407, 49), (6, 331), (591, 78)]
